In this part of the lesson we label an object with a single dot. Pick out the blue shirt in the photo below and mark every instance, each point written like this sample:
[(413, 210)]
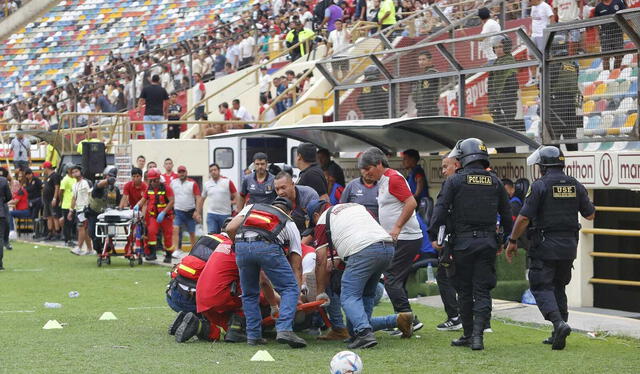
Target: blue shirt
[(416, 173), (358, 192), (259, 192)]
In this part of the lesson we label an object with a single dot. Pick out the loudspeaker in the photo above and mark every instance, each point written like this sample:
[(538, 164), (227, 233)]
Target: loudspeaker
[(94, 159)]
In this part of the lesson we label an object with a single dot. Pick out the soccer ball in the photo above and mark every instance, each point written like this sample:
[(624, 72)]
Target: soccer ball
[(346, 362)]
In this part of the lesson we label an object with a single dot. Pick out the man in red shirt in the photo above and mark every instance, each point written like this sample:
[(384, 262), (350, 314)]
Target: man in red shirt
[(157, 203), (134, 190), (169, 174)]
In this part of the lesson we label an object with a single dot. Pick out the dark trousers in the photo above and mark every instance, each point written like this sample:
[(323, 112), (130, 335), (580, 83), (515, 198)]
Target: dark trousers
[(447, 292), (92, 217), (398, 272), (173, 132), (547, 280), (475, 277), (3, 229), (68, 226)]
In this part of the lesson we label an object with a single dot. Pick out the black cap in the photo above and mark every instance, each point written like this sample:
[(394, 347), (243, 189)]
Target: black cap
[(260, 156)]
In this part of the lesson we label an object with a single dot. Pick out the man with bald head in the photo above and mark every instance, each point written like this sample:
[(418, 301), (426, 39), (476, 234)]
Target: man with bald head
[(445, 285)]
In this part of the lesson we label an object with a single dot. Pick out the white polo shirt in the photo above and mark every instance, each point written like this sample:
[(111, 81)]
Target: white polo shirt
[(393, 190), (218, 195), (185, 194), (353, 229)]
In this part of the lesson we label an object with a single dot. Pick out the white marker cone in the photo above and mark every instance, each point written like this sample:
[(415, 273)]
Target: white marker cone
[(262, 356), (52, 324), (108, 316)]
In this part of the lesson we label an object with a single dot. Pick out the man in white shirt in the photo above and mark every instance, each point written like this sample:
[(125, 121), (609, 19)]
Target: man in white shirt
[(541, 16), (240, 113), (264, 82), (220, 193), (259, 232), (79, 201), (339, 40), (199, 93), (233, 53), (83, 107), (187, 198), (367, 249), (396, 208), (489, 25), (246, 50)]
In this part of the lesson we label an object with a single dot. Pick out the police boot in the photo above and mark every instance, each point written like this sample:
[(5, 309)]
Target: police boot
[(235, 333), (560, 332), (477, 337), (188, 328), (463, 341)]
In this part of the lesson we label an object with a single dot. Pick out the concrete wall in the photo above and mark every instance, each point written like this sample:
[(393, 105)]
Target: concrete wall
[(192, 153)]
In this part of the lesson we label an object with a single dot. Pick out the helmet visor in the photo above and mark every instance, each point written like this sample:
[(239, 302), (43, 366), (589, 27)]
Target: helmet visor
[(534, 158), (455, 152)]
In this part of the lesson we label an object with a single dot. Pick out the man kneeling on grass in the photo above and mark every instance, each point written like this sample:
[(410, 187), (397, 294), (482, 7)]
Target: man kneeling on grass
[(349, 233)]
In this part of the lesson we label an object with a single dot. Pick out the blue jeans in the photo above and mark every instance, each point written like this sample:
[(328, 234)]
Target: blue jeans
[(26, 213), (214, 222), (251, 257), (334, 309), (153, 131), (179, 302), (185, 220), (359, 283)]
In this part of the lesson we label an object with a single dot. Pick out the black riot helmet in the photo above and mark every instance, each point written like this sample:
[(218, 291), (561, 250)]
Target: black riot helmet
[(470, 150), (521, 186), (547, 156)]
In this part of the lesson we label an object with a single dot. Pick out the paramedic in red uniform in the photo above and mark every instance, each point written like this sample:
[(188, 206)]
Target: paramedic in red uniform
[(158, 205)]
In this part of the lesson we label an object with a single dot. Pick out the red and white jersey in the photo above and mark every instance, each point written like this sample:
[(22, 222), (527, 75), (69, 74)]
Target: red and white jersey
[(185, 194), (393, 190)]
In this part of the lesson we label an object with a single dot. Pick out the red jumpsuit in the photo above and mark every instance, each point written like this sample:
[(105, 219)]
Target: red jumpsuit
[(213, 290), (157, 200)]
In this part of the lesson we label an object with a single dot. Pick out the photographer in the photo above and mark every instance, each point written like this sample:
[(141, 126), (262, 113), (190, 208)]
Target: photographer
[(105, 194)]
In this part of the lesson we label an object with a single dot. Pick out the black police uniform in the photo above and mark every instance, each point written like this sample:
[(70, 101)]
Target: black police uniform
[(552, 205), (474, 197), (373, 102), (426, 94), (564, 100)]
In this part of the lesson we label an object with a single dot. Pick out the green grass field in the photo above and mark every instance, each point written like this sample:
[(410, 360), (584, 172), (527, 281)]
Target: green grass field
[(138, 340)]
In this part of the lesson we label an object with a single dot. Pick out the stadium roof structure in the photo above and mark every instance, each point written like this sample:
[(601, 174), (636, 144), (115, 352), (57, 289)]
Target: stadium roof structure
[(427, 134)]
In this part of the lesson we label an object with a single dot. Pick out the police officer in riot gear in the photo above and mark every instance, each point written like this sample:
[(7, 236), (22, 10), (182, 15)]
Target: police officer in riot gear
[(551, 206), (564, 93), (427, 91), (373, 101), (473, 198)]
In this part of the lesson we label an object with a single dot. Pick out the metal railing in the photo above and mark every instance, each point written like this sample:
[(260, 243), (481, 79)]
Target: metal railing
[(614, 255)]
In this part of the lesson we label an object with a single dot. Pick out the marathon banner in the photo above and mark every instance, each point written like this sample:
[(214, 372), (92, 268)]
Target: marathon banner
[(615, 170)]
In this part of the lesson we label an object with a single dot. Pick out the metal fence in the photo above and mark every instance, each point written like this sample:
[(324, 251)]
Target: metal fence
[(480, 76), (582, 88), (590, 80)]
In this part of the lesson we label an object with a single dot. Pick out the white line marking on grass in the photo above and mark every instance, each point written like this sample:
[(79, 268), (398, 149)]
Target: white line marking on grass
[(148, 307), (17, 311), (28, 269)]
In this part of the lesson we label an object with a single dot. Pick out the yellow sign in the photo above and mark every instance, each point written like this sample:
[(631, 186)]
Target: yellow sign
[(563, 192), (483, 180)]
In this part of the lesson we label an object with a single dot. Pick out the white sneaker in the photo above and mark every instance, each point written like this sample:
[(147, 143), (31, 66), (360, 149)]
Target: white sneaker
[(178, 254), (13, 235), (77, 251), (531, 83), (488, 329), (87, 253)]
